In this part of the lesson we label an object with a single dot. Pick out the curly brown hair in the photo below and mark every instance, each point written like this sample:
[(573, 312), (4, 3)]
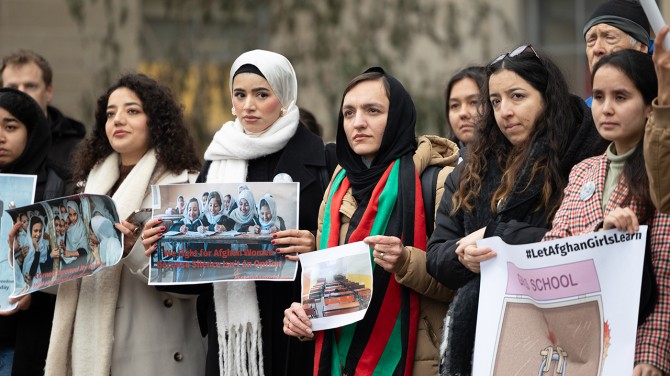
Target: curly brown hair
[(555, 124), (168, 135)]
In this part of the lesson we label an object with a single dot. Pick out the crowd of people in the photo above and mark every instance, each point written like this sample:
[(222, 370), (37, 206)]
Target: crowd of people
[(521, 158)]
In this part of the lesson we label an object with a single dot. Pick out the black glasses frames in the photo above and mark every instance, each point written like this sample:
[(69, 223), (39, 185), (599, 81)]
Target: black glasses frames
[(515, 52)]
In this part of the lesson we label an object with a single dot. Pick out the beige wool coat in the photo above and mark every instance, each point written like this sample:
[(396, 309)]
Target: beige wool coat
[(113, 322)]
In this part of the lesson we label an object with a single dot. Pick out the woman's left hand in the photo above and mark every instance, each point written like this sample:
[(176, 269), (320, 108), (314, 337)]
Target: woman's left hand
[(388, 252), (472, 256), (624, 219), (131, 233), (152, 232), (23, 303), (470, 239), (662, 65), (643, 369), (296, 241)]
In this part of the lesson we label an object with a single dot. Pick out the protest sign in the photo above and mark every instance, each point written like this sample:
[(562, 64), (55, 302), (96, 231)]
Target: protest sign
[(222, 232), (553, 308), (15, 190), (65, 239), (336, 285)]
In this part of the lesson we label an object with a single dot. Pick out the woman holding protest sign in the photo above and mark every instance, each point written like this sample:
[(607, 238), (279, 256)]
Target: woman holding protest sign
[(114, 314), (26, 140), (376, 197), (266, 140), (531, 133), (612, 191)]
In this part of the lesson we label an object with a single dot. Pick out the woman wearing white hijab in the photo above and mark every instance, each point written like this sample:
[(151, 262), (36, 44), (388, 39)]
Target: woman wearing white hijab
[(265, 139), (245, 215), (267, 215), (109, 246), (76, 237)]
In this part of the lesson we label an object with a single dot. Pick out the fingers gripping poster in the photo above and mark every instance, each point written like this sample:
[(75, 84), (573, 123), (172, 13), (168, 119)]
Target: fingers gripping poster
[(560, 307)]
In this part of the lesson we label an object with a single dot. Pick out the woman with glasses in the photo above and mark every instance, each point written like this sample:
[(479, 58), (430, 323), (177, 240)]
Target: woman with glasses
[(532, 131)]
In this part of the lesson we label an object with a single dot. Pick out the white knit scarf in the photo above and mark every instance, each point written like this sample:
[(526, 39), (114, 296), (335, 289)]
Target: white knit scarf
[(237, 312), (83, 332)]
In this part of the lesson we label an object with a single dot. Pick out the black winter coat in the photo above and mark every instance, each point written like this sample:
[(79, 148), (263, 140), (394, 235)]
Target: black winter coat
[(520, 219)]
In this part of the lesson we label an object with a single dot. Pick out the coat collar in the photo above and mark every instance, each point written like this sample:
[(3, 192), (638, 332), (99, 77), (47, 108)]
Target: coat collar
[(300, 153)]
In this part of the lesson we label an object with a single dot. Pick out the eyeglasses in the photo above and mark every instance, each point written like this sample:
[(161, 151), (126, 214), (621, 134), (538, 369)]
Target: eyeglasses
[(515, 52)]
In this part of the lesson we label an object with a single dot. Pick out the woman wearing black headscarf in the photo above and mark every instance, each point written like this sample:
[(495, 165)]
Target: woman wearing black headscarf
[(376, 197), (25, 139)]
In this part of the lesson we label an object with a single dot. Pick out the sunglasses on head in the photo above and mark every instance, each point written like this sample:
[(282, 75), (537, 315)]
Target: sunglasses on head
[(515, 52)]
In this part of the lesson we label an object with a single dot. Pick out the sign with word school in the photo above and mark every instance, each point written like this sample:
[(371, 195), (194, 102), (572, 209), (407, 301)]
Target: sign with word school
[(222, 232), (560, 307)]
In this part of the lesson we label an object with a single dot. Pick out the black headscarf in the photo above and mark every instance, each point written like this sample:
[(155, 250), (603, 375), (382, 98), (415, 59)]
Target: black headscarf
[(33, 160), (398, 140)]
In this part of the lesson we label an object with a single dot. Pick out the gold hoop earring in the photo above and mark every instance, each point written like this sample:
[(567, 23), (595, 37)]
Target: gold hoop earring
[(283, 112), (232, 111)]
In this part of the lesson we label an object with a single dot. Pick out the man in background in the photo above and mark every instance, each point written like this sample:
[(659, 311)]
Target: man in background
[(615, 25), (30, 73)]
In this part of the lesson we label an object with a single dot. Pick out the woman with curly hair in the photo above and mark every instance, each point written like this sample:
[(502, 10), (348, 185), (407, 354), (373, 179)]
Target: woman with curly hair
[(530, 135), (113, 322)]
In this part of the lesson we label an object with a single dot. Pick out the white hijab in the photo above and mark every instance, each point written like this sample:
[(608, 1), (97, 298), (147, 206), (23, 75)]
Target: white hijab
[(211, 217), (237, 312), (231, 147), (237, 216), (76, 235), (267, 198), (109, 244), (186, 220)]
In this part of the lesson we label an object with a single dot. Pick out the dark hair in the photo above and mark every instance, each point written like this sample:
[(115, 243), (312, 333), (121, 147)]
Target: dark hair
[(476, 74), (33, 221), (22, 57), (193, 199), (215, 195), (639, 68), (553, 125), (369, 76), (308, 119), (167, 134)]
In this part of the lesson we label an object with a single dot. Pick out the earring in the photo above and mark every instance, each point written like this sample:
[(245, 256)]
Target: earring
[(283, 112), (232, 111)]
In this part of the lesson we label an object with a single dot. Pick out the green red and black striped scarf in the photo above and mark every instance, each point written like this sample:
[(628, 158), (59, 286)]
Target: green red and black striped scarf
[(383, 343)]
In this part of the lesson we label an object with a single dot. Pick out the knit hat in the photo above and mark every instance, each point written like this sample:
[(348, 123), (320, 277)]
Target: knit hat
[(23, 107), (626, 15)]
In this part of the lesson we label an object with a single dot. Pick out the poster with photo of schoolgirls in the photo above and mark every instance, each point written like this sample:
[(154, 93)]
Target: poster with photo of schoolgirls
[(15, 190), (222, 232), (64, 239)]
